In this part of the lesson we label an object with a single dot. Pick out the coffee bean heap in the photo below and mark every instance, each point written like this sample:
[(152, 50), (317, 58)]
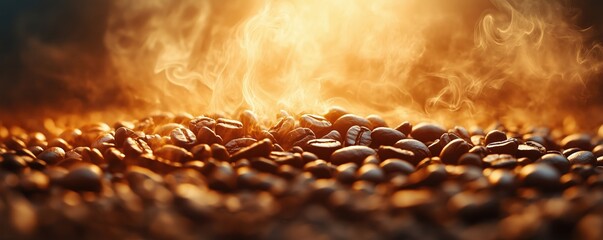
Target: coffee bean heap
[(331, 176)]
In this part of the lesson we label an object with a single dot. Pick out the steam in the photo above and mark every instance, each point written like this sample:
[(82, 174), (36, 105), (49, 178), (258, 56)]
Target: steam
[(415, 59)]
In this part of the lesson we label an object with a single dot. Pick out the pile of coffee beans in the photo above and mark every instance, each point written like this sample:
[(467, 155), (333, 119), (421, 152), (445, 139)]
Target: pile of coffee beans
[(308, 176)]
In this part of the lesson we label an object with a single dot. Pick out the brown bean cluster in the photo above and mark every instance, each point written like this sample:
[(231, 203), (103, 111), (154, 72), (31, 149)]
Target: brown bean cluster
[(334, 176)]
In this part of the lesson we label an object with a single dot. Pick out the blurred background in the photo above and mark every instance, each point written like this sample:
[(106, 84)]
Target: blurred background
[(54, 59)]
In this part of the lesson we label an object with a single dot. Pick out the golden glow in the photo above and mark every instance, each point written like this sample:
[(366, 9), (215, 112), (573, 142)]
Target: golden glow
[(403, 59)]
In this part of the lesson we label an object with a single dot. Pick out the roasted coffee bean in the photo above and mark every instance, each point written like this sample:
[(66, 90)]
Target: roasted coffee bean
[(540, 176), (237, 144), (318, 124), (257, 149), (427, 132), (52, 155), (208, 136), (405, 128), (135, 147), (74, 137), (385, 136), (436, 147), (582, 157), (418, 148), (412, 199), (386, 152), (13, 162), (371, 160), (581, 141), (122, 133), (346, 173), (124, 124), (508, 146), (502, 179), (219, 152), (323, 148), (333, 135), (201, 152), (570, 151), (453, 150), (335, 113), (37, 164), (34, 181), (103, 142), (376, 121), (598, 150), (558, 161), (346, 121), (115, 160), (59, 142), (287, 158), (583, 170), (183, 137), (83, 177), (299, 137), (447, 138), (358, 135), (288, 172), (495, 136), (473, 207), (92, 155), (530, 149), (173, 153), (166, 129), (319, 169), (263, 164), (355, 154), (250, 121), (14, 143), (371, 173), (229, 129), (223, 177), (282, 128), (394, 165), (501, 161), (36, 150), (479, 150), (199, 122), (461, 132), (429, 176), (471, 159)]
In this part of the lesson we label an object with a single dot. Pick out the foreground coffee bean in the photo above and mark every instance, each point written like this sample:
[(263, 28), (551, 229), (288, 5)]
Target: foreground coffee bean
[(182, 137), (385, 136), (355, 154), (229, 129), (318, 124), (52, 155), (258, 149), (299, 137), (323, 148), (386, 152), (558, 161), (394, 165), (540, 176), (239, 143), (358, 135), (199, 122), (581, 141), (345, 122), (453, 150), (495, 136), (83, 177), (371, 173), (418, 148), (13, 162), (508, 146), (427, 132), (135, 147), (582, 157)]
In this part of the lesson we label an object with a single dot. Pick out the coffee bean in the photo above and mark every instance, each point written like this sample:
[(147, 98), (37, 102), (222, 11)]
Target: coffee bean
[(263, 164), (431, 175), (122, 133), (333, 135), (508, 146), (471, 159), (287, 158), (201, 152), (461, 132), (299, 137), (358, 135), (427, 132), (173, 153), (385, 136), (583, 170), (412, 199), (208, 136), (13, 162), (376, 121), (34, 181), (223, 178), (598, 150), (582, 157), (36, 150), (453, 151), (335, 113), (346, 121), (371, 173), (540, 176), (558, 161), (386, 152), (237, 144), (135, 147), (530, 149), (436, 147), (52, 155), (346, 173), (250, 122), (495, 136), (319, 169), (500, 161), (473, 207), (219, 152), (258, 149), (372, 159), (323, 148), (166, 129), (318, 124), (103, 142), (570, 151), (199, 122), (418, 148), (14, 143), (282, 128), (581, 141), (115, 160), (393, 165), (355, 154), (83, 177), (183, 137), (405, 128), (502, 179), (229, 129), (37, 164)]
